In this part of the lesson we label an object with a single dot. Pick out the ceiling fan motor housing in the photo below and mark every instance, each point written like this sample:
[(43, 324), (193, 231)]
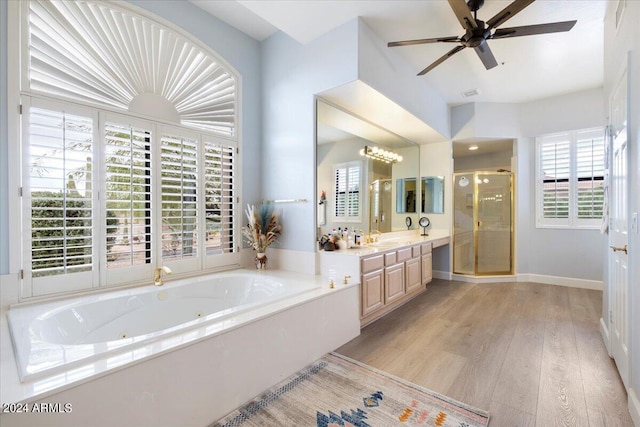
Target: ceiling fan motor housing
[(476, 36), (474, 5)]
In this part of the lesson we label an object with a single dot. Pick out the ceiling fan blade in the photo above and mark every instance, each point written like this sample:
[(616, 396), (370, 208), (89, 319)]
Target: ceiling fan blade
[(486, 56), (530, 30), (441, 60), (508, 13), (463, 14), (424, 41)]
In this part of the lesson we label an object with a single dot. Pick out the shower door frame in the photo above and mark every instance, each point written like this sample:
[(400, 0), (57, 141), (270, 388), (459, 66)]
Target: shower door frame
[(476, 219)]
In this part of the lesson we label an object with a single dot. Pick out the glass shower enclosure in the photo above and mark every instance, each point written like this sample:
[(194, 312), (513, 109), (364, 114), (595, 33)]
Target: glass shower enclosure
[(483, 223)]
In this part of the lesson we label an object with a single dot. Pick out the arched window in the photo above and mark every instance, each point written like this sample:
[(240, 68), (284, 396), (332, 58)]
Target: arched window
[(130, 147)]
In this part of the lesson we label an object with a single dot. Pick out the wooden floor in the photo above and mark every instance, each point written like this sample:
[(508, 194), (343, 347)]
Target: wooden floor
[(530, 354)]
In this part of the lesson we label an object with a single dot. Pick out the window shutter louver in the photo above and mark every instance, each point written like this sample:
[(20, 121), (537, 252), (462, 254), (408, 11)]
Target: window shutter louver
[(347, 192), (60, 177), (179, 172), (219, 198), (556, 159), (127, 195), (570, 172), (590, 176)]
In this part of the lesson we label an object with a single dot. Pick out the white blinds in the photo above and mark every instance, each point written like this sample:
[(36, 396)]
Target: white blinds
[(570, 172), (100, 52), (590, 174), (60, 188), (347, 191), (127, 195), (179, 175), (555, 160), (219, 197)]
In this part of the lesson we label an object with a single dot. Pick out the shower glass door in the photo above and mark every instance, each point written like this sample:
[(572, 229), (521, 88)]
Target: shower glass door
[(493, 224), (483, 219), (464, 255)]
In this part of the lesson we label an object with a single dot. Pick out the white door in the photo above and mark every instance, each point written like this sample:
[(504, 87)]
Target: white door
[(618, 235)]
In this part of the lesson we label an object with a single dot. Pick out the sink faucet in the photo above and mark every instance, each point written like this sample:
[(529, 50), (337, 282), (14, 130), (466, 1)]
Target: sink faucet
[(157, 275)]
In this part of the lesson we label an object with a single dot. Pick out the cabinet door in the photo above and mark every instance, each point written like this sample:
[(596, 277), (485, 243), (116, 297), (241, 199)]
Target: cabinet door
[(394, 282), (372, 292), (412, 274), (427, 272)]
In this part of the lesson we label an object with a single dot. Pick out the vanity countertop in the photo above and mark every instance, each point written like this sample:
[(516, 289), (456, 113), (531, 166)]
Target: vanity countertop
[(393, 242)]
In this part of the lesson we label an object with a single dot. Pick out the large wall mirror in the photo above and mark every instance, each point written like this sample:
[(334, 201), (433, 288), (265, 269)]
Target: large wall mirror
[(367, 176)]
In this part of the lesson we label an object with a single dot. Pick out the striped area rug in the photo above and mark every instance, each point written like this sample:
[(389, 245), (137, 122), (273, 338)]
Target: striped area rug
[(338, 391)]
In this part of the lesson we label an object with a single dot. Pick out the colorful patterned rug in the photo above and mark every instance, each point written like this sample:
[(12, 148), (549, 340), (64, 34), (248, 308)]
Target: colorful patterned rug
[(338, 391)]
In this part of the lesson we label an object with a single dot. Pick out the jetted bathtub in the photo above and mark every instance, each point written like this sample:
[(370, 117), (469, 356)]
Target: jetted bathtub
[(69, 333)]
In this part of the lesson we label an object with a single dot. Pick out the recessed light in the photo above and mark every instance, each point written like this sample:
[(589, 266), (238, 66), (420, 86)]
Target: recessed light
[(473, 147)]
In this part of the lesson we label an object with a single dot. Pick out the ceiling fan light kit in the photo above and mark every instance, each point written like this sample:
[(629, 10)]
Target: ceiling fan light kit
[(477, 32)]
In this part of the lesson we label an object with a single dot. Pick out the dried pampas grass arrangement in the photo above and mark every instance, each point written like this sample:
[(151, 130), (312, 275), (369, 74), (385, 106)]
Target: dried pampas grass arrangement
[(263, 228)]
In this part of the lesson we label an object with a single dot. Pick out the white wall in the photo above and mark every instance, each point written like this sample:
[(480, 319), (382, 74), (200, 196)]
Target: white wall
[(488, 161), (618, 44), (576, 254), (291, 75)]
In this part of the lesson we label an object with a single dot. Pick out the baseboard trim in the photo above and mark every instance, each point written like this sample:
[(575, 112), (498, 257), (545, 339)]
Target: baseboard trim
[(604, 332), (562, 281), (482, 279), (439, 274), (634, 407)]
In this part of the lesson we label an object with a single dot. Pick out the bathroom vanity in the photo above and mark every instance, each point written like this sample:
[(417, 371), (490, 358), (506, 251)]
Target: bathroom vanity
[(391, 272)]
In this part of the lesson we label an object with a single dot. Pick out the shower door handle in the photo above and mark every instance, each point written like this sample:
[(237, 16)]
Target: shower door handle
[(479, 224)]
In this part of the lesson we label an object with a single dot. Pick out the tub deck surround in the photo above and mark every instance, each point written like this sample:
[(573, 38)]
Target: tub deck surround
[(75, 341)]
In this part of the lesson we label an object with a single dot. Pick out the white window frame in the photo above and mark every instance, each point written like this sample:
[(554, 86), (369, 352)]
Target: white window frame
[(348, 165), (20, 95), (572, 221)]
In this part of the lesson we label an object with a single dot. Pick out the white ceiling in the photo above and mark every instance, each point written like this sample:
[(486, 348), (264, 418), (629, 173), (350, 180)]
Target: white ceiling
[(531, 68)]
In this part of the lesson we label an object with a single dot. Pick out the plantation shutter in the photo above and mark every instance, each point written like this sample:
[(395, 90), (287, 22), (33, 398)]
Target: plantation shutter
[(59, 195), (590, 174), (179, 185), (127, 195), (555, 164), (219, 197), (347, 191)]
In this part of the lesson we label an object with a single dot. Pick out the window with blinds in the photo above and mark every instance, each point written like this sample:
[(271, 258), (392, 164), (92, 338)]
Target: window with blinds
[(60, 188), (570, 179), (347, 191), (109, 203), (179, 175), (219, 197), (127, 195)]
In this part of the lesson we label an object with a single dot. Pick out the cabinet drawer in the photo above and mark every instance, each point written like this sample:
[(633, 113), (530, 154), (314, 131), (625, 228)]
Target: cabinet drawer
[(372, 263), (390, 258), (403, 254), (426, 248), (415, 251)]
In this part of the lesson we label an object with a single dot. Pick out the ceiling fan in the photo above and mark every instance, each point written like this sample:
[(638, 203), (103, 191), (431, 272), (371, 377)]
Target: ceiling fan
[(478, 32)]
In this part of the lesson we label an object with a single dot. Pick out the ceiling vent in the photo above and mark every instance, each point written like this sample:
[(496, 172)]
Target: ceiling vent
[(471, 92)]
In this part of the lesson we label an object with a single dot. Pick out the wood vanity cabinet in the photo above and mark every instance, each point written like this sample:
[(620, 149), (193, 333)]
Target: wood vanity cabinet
[(393, 278), (427, 264)]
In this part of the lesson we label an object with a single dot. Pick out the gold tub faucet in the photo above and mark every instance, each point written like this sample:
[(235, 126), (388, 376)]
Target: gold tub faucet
[(157, 275)]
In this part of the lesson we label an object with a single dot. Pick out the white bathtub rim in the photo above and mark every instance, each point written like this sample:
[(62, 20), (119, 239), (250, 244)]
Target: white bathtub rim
[(12, 390), (79, 354)]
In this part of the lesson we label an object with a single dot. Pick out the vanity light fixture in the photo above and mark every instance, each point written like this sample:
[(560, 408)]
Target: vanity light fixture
[(376, 153)]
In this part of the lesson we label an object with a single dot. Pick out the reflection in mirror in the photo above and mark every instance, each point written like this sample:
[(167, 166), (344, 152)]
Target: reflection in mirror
[(360, 190), (406, 195), (432, 194)]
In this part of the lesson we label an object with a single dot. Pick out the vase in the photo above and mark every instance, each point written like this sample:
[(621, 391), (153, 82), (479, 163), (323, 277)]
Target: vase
[(261, 261)]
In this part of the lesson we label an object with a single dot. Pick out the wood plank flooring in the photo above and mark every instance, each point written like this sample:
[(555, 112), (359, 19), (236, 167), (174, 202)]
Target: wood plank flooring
[(530, 354)]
